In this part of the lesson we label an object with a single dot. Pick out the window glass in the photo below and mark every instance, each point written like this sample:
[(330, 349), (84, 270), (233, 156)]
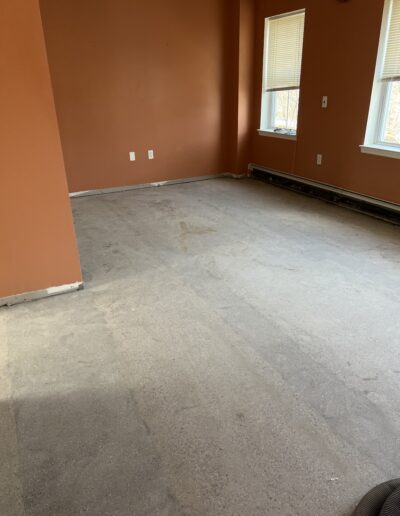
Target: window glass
[(383, 129), (286, 109), (391, 128), (283, 50)]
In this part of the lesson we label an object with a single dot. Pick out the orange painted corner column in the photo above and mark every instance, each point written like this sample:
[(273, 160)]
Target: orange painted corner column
[(245, 82), (241, 122), (38, 246)]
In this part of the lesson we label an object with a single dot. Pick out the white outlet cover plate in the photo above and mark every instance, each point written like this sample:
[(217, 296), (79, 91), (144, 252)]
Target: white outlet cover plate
[(132, 156), (151, 154)]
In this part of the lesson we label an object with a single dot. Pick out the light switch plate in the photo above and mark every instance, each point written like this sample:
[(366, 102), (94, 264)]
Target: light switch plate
[(151, 154), (132, 156)]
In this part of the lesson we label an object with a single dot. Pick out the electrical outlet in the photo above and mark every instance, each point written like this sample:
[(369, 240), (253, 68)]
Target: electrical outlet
[(319, 159), (132, 156), (151, 154), (324, 102)]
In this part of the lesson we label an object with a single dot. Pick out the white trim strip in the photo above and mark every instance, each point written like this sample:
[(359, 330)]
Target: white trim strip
[(325, 186), (380, 150), (117, 189), (40, 294)]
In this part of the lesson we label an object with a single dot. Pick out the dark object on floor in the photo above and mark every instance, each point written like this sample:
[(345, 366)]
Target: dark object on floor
[(392, 505), (383, 500)]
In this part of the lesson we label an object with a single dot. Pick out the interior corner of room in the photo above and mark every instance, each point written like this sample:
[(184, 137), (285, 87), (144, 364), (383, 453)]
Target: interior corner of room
[(218, 316)]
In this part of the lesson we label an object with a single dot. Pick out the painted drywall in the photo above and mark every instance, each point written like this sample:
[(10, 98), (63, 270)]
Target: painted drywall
[(245, 81), (340, 50), (241, 87), (133, 76), (37, 241)]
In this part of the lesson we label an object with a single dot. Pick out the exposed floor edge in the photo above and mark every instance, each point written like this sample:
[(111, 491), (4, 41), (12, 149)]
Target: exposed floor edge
[(40, 294), (346, 198), (117, 189)]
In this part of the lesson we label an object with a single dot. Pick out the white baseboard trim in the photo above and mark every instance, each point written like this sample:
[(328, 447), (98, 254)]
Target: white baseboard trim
[(169, 182), (40, 294), (325, 186)]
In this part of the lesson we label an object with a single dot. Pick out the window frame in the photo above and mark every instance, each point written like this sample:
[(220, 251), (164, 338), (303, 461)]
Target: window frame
[(374, 142), (268, 98)]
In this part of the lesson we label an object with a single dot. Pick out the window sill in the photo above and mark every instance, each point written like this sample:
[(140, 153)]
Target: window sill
[(272, 134), (381, 150)]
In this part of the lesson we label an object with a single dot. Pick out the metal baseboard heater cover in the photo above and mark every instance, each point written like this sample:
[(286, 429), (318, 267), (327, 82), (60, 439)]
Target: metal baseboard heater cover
[(377, 208)]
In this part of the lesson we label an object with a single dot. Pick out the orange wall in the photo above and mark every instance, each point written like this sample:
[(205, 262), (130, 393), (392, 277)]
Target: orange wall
[(340, 49), (245, 82), (240, 84), (37, 241), (176, 77), (138, 75)]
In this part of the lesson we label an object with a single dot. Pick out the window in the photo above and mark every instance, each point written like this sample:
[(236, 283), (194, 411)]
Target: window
[(283, 50), (383, 130)]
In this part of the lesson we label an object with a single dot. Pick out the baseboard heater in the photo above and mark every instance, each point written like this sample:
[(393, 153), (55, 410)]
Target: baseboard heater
[(377, 208)]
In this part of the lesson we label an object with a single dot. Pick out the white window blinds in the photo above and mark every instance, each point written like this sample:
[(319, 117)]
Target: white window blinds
[(283, 51), (391, 67)]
